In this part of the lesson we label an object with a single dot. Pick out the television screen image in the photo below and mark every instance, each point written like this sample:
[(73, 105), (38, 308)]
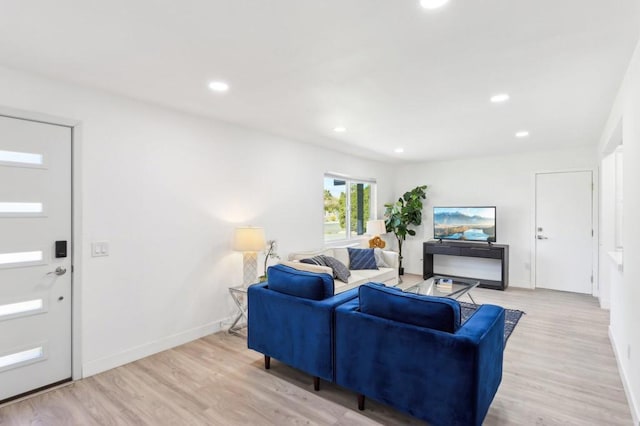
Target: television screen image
[(465, 223)]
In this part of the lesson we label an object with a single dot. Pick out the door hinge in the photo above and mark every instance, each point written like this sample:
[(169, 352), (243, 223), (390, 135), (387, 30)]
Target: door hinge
[(591, 279), (592, 232)]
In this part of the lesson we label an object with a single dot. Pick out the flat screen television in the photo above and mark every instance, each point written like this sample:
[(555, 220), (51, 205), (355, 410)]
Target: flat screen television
[(465, 223)]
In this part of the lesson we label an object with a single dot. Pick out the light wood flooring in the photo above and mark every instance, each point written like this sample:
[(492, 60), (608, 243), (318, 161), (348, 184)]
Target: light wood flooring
[(559, 368)]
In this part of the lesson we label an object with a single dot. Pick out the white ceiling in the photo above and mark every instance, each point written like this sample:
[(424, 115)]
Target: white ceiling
[(394, 74)]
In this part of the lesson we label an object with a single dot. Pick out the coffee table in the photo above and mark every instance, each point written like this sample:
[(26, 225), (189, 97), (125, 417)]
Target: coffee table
[(458, 287)]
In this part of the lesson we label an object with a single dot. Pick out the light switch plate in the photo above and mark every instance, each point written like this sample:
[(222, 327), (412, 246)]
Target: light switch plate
[(100, 248)]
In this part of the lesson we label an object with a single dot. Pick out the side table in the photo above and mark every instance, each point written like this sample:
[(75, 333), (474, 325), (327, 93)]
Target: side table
[(239, 296)]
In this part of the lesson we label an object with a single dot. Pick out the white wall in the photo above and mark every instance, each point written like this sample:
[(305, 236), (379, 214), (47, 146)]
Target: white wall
[(506, 182), (166, 190), (610, 272), (625, 294)]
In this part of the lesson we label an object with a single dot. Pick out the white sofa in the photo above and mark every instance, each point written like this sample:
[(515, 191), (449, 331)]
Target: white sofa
[(387, 276)]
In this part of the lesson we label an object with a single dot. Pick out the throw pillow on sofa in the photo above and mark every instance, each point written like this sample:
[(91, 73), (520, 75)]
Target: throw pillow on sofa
[(340, 271), (362, 259), (339, 268), (377, 253), (316, 260)]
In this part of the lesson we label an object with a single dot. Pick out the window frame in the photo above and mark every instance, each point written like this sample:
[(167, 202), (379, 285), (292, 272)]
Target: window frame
[(373, 206)]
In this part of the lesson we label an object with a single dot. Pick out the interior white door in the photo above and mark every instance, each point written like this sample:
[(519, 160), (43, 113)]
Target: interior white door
[(564, 231), (35, 212)]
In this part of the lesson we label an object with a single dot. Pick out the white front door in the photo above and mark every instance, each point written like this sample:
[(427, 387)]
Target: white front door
[(35, 213), (564, 233)]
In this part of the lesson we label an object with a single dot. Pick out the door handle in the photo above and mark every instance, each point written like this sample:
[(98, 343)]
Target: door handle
[(542, 237), (59, 271)]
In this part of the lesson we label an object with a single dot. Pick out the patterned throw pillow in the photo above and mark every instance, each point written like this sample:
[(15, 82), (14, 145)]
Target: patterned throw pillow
[(362, 259), (318, 260), (315, 260), (340, 270), (377, 253)]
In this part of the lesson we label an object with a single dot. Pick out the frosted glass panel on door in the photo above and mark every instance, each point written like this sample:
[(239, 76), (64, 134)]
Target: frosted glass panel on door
[(21, 158), (20, 257), (28, 307), (21, 357), (20, 208)]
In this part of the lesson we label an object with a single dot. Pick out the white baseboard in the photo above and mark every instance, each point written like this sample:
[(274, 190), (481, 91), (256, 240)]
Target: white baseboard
[(112, 361), (634, 405)]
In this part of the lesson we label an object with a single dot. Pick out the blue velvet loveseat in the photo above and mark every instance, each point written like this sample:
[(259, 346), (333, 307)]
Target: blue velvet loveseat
[(291, 319), (411, 352)]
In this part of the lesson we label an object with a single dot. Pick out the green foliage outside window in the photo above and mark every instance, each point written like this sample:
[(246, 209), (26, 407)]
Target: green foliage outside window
[(336, 215), (366, 209)]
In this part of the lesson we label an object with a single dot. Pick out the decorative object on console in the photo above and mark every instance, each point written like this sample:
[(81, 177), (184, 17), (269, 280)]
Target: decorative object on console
[(402, 214), (249, 240), (376, 228), (270, 254)]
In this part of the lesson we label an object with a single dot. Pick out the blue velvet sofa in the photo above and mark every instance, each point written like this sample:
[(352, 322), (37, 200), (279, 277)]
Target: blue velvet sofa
[(291, 319), (411, 352)]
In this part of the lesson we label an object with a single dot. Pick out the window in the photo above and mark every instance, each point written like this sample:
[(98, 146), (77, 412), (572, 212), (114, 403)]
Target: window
[(21, 158), (348, 205)]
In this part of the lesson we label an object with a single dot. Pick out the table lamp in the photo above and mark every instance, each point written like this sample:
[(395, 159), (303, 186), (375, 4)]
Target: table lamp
[(376, 228), (249, 240)]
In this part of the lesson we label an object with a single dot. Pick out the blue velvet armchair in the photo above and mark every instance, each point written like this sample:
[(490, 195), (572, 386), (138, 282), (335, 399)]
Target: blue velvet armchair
[(291, 319), (410, 352)]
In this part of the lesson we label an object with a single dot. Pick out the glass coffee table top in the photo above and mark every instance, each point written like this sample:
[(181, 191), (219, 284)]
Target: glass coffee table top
[(443, 286)]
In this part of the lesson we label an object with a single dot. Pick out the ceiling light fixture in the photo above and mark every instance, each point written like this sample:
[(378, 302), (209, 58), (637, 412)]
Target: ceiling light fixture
[(398, 150), (219, 86), (522, 134), (340, 129), (502, 97), (433, 4)]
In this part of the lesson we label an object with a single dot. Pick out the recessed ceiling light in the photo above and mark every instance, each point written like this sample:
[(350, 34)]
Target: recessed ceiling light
[(340, 129), (502, 97), (522, 134), (218, 86), (398, 150), (433, 4)]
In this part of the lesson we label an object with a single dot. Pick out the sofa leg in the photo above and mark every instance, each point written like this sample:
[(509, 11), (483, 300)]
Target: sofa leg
[(360, 402), (267, 362), (316, 383)]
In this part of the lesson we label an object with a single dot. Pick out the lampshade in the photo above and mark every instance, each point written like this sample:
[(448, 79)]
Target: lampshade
[(249, 239), (376, 227)]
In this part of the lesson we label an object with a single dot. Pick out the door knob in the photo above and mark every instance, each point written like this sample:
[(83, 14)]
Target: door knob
[(59, 271), (542, 237)]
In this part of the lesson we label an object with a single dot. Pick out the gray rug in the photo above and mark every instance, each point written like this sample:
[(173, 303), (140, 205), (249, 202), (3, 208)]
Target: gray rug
[(511, 317)]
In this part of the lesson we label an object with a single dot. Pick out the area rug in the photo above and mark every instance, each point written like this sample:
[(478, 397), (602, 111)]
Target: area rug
[(511, 317)]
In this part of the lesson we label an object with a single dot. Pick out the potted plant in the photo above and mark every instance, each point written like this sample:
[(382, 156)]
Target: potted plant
[(402, 214)]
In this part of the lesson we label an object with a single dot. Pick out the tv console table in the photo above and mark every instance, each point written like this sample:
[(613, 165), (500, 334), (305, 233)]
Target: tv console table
[(455, 248)]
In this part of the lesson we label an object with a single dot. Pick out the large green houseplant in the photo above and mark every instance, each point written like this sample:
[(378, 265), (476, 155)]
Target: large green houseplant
[(402, 214)]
